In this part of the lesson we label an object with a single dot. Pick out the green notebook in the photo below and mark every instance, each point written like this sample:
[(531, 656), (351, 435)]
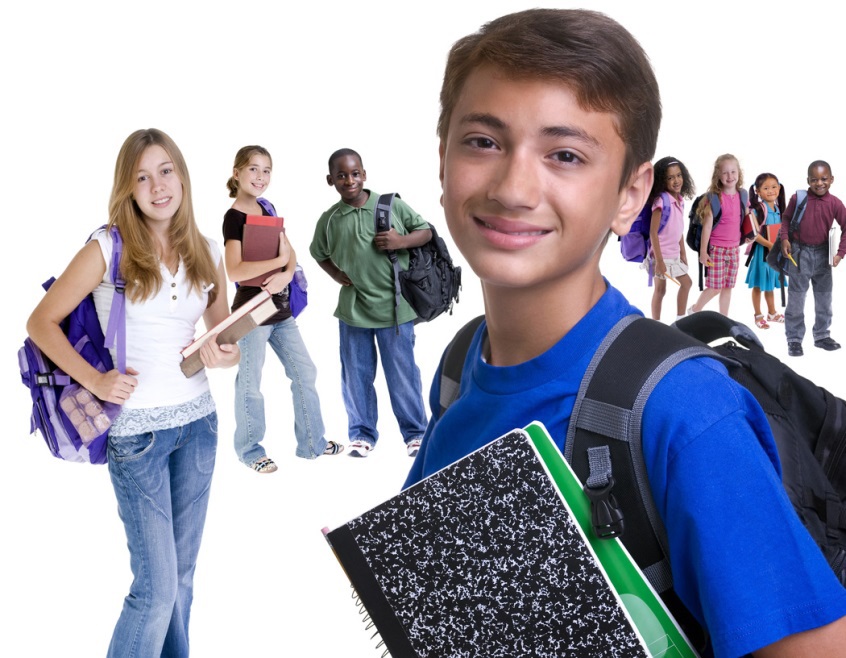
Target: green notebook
[(653, 621)]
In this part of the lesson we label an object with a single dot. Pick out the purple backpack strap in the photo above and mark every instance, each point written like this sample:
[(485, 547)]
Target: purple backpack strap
[(116, 329), (264, 203), (666, 204)]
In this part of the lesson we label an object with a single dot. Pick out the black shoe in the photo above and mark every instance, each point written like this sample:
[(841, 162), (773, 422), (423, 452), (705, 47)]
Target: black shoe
[(795, 349), (827, 343)]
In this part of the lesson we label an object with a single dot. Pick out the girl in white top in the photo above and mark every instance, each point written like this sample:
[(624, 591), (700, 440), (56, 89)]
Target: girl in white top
[(162, 446)]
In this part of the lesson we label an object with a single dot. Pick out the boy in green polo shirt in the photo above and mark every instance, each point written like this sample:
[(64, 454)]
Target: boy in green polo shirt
[(347, 246)]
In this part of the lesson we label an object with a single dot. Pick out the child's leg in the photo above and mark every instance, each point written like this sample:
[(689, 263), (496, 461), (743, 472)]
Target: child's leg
[(358, 371), (249, 402), (403, 379), (288, 344), (658, 297), (756, 301), (725, 300), (684, 293), (704, 297), (797, 288), (769, 297), (823, 283)]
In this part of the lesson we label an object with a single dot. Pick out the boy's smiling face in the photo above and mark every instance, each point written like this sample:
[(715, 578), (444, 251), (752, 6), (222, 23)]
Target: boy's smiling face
[(348, 177), (820, 179), (531, 181)]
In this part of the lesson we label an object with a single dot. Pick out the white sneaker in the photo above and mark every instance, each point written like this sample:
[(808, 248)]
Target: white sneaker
[(359, 448), (413, 447)]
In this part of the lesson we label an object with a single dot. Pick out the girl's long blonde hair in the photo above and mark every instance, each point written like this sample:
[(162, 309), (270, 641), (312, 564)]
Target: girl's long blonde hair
[(140, 262)]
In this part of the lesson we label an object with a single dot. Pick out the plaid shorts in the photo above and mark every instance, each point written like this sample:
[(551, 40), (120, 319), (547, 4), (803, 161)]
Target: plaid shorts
[(723, 272)]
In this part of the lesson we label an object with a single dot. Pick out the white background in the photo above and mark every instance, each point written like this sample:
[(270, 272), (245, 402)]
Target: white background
[(758, 80)]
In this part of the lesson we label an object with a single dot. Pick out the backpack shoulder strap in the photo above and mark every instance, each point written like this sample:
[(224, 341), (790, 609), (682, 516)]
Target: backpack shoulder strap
[(116, 327), (453, 360), (799, 211), (716, 208), (382, 212), (604, 444), (666, 206), (382, 222), (269, 207)]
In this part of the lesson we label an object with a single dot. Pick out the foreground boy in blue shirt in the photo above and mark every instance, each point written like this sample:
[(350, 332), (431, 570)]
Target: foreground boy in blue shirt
[(549, 120)]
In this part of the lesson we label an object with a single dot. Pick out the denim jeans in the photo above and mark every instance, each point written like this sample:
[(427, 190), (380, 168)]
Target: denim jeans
[(358, 372), (161, 480), (285, 339), (813, 270)]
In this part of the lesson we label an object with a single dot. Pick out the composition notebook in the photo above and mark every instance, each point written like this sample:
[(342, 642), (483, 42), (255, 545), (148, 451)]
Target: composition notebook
[(494, 557)]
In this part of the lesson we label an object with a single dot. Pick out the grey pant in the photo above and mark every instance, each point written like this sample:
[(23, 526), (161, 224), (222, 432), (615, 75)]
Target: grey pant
[(813, 270)]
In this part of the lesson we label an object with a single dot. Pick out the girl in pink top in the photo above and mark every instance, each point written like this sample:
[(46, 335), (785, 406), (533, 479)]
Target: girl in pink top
[(721, 241), (668, 257)]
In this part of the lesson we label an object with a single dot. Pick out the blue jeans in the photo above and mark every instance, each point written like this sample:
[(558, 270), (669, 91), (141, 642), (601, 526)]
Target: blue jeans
[(358, 372), (813, 270), (285, 339), (161, 480)]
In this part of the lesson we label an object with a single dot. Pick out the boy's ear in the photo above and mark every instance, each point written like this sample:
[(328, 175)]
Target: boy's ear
[(441, 152), (329, 180), (633, 197)]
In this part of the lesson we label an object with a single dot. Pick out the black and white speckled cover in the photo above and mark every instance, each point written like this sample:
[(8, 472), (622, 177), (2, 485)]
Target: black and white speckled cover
[(482, 559)]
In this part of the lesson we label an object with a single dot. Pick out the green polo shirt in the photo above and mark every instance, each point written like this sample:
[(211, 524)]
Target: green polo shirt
[(345, 235)]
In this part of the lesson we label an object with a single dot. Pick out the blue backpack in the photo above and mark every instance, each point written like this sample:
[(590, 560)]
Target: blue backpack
[(635, 244), (298, 288), (74, 423)]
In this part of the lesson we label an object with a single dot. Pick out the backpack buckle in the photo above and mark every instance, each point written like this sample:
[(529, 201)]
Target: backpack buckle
[(606, 515)]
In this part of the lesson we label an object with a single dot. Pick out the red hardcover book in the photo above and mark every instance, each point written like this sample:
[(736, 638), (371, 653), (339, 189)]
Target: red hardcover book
[(773, 231), (234, 327), (260, 242), (265, 220), (748, 231)]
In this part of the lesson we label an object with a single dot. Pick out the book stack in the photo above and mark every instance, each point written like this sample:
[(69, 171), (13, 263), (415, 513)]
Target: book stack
[(237, 325), (494, 556), (260, 241)]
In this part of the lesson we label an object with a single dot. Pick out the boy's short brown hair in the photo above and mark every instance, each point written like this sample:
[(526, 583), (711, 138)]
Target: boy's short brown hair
[(595, 56)]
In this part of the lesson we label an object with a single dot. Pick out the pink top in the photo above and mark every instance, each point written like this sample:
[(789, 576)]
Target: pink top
[(669, 238), (727, 232)]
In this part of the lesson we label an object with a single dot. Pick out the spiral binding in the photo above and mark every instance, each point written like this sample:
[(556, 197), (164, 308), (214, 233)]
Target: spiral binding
[(369, 623)]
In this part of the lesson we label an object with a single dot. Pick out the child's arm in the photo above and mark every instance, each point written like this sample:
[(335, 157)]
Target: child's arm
[(391, 240), (826, 640), (82, 276), (682, 250), (241, 270), (707, 225), (211, 354), (759, 235), (278, 281), (332, 270), (655, 244)]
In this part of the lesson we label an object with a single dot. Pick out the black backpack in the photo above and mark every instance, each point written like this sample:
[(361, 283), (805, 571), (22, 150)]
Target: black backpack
[(432, 282), (808, 423)]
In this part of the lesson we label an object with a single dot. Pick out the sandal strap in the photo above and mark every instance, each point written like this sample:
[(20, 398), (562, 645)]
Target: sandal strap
[(263, 464)]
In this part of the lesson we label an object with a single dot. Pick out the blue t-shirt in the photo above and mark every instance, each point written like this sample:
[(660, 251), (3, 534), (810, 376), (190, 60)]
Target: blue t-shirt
[(741, 560)]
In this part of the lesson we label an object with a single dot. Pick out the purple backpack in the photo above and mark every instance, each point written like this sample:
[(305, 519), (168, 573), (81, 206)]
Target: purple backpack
[(635, 244), (298, 288), (74, 423)]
